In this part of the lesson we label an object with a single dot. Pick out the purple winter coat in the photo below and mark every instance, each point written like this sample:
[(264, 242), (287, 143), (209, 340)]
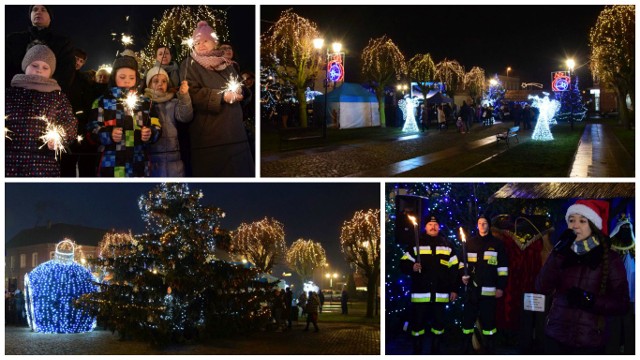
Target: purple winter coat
[(574, 326)]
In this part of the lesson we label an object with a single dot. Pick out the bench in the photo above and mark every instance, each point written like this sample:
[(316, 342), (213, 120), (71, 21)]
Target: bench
[(506, 135)]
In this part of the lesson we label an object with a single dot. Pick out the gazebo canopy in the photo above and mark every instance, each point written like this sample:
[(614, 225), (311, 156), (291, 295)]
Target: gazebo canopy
[(565, 191)]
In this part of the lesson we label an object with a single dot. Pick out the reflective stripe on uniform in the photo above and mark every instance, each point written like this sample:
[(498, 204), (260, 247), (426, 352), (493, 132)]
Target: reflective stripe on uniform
[(417, 333), (503, 271), (489, 332), (489, 254), (420, 297), (460, 265), (442, 297), (424, 250), (488, 291), (445, 250), (467, 331), (453, 260), (407, 256), (437, 332), (472, 257)]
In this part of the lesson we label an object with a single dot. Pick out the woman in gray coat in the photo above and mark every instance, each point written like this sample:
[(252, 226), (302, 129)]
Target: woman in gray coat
[(219, 144)]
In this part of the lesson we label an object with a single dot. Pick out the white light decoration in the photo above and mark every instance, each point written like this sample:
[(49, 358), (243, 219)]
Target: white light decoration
[(50, 290), (310, 286), (408, 105), (548, 109)]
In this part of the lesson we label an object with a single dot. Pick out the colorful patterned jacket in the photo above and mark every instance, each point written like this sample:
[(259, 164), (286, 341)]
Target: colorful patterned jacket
[(127, 158)]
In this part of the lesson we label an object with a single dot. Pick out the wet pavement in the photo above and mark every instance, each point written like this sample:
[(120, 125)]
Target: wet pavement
[(333, 338), (600, 154)]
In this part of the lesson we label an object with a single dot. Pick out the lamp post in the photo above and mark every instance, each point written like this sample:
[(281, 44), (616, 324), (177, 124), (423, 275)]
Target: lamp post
[(508, 69), (318, 44), (331, 277), (571, 65)]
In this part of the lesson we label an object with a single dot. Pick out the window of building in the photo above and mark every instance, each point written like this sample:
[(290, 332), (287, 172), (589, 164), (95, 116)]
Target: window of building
[(23, 261), (34, 259), (12, 262)]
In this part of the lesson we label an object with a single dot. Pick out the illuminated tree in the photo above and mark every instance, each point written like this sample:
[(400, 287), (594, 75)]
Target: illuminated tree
[(474, 81), (304, 256), (170, 284), (287, 48), (261, 242), (612, 41), (382, 63), (176, 26), (495, 93), (421, 70), (360, 242), (451, 73)]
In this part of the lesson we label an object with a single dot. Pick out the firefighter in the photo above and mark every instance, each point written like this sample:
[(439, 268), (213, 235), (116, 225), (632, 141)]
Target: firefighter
[(485, 283), (433, 269)]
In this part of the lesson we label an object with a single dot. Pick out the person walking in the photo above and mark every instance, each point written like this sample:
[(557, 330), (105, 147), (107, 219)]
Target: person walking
[(313, 304), (344, 299)]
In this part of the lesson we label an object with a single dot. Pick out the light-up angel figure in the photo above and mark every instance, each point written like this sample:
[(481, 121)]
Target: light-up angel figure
[(548, 109), (408, 106)]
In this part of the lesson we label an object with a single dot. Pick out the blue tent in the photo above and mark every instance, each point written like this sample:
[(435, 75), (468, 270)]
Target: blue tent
[(350, 106)]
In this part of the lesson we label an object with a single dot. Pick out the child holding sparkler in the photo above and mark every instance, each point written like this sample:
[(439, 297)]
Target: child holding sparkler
[(39, 120), (165, 154), (219, 144), (124, 124)]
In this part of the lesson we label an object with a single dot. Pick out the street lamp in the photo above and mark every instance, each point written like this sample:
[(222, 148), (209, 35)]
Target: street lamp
[(508, 69), (331, 277), (571, 64), (336, 49), (507, 80)]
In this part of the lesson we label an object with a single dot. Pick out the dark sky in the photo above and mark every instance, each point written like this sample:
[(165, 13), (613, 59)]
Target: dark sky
[(313, 211), (533, 40), (90, 27)]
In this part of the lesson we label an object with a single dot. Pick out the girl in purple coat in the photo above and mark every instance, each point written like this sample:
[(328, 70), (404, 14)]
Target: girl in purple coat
[(586, 280), (34, 106)]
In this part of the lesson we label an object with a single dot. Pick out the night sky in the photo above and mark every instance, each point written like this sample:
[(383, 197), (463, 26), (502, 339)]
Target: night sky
[(90, 27), (311, 211), (533, 40)]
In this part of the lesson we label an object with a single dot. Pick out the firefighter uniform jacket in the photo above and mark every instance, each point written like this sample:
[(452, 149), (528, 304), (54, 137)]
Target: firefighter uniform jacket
[(487, 264), (438, 277)]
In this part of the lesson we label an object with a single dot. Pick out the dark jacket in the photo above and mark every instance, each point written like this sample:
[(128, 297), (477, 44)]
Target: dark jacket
[(580, 327), (438, 277), (488, 265), (219, 144), (129, 157), (16, 47)]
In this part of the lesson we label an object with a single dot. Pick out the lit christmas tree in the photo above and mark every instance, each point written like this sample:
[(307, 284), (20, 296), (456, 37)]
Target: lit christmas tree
[(172, 284), (494, 94), (51, 290), (547, 109), (571, 103), (175, 28)]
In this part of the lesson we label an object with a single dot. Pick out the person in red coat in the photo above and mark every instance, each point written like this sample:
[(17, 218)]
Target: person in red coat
[(587, 282)]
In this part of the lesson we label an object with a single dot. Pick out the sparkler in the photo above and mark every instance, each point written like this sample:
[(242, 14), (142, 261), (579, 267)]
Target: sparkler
[(415, 229), (233, 85), (6, 133), (55, 134), (131, 101), (80, 138), (126, 39), (189, 43)]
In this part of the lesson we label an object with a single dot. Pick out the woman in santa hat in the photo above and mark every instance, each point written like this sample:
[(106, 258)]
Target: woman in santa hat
[(586, 280)]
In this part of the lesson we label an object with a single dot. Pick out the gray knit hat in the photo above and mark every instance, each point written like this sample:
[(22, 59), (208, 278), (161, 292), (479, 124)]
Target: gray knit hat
[(39, 52)]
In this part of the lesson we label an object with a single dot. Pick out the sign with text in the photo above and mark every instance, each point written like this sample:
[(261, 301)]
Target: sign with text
[(534, 302)]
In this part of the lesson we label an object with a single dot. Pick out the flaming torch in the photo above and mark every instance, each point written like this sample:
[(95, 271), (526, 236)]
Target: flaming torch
[(415, 230), (464, 250)]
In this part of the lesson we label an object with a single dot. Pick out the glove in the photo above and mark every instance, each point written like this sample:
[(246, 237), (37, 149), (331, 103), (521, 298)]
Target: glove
[(566, 239), (580, 299)]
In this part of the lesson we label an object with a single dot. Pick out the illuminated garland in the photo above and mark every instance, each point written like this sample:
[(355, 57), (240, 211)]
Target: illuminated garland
[(475, 81), (51, 290), (261, 242), (304, 256)]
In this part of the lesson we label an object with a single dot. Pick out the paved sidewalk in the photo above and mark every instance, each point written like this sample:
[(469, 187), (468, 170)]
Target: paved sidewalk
[(600, 154), (332, 339)]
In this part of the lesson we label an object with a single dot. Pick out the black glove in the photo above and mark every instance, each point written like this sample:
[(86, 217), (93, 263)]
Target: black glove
[(580, 299), (566, 239)]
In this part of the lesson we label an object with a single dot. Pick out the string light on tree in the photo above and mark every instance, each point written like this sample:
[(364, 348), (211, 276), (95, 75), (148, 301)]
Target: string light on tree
[(304, 256), (51, 290), (261, 242)]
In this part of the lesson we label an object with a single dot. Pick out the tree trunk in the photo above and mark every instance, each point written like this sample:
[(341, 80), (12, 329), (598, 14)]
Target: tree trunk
[(383, 119), (372, 287), (622, 108), (302, 110)]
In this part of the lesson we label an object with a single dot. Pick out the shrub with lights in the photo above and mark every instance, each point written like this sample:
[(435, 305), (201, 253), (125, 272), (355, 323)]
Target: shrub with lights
[(51, 290), (171, 284)]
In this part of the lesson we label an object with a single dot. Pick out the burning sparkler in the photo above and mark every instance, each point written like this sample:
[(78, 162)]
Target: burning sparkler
[(80, 138), (233, 85), (6, 133), (53, 134), (131, 101), (126, 39)]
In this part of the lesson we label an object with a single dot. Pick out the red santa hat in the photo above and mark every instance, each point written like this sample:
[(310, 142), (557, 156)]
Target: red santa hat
[(597, 211)]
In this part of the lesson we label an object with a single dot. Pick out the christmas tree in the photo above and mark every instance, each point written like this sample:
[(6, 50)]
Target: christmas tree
[(494, 94), (175, 28), (571, 105), (171, 284)]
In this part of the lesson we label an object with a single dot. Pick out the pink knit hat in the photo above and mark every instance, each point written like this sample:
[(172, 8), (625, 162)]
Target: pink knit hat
[(597, 211), (204, 31)]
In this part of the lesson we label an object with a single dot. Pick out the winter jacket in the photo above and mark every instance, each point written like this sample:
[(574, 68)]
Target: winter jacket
[(487, 264), (313, 304), (24, 111), (16, 47), (128, 158), (219, 144), (579, 326), (165, 154), (438, 277)]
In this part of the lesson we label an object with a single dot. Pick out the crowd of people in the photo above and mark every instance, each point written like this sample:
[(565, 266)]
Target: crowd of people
[(170, 120), (584, 277)]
